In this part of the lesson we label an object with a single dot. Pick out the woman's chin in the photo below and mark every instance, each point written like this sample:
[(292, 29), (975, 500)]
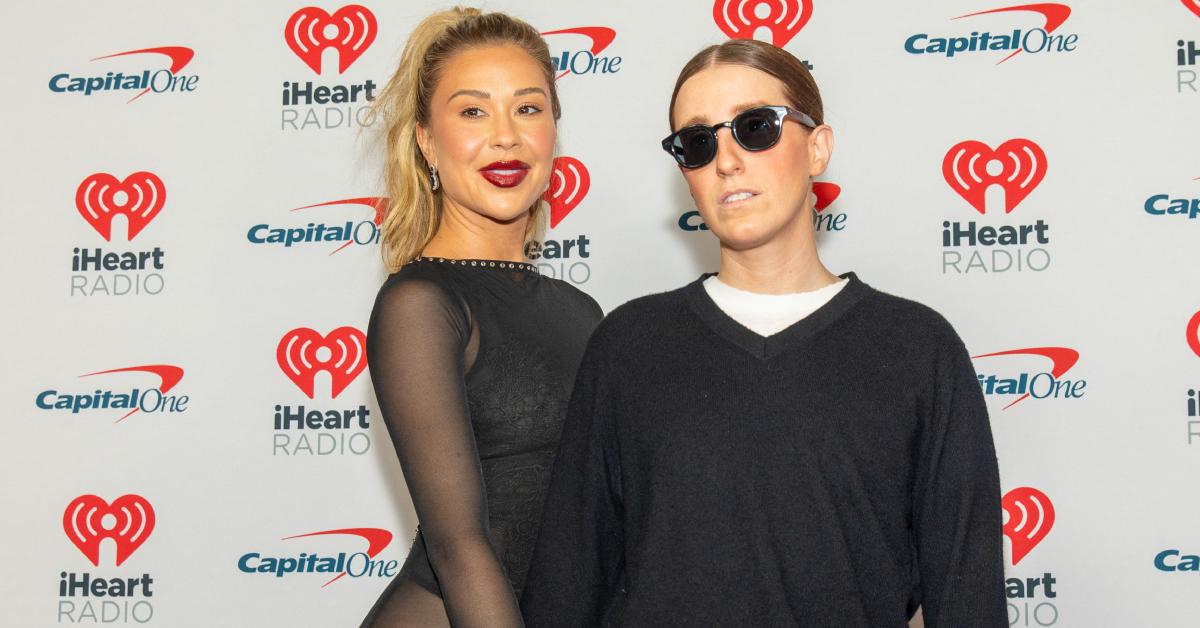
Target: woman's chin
[(740, 237), (506, 214)]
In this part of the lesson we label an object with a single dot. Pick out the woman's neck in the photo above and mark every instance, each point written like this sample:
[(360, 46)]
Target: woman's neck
[(786, 264), (465, 234)]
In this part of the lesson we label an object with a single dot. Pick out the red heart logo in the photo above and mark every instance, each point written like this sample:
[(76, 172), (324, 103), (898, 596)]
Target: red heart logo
[(96, 199), (1017, 165), (1030, 517), (569, 183), (83, 521), (297, 356), (1193, 334), (1193, 6), (826, 194), (306, 34), (784, 18)]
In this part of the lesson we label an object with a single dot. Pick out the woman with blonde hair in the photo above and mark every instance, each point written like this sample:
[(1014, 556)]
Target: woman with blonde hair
[(472, 352)]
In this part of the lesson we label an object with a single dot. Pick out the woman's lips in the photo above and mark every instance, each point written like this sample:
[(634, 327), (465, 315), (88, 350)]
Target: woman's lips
[(505, 174), (736, 196)]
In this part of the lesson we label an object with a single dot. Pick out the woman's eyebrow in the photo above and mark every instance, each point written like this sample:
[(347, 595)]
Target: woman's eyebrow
[(478, 93), (701, 119)]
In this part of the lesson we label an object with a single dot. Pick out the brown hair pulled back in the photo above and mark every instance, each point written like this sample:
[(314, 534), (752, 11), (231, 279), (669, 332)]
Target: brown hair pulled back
[(798, 83)]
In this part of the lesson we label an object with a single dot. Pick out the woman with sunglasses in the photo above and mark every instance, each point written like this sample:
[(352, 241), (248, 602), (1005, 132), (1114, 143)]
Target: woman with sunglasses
[(772, 445), (472, 353)]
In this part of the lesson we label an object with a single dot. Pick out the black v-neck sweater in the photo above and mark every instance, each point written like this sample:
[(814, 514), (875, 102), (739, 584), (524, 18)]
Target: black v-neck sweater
[(838, 473)]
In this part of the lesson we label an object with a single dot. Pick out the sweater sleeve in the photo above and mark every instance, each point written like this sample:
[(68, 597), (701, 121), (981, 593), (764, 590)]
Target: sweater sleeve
[(579, 557), (956, 509), (415, 346)]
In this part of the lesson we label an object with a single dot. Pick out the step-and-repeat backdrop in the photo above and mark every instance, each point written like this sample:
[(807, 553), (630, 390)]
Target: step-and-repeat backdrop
[(190, 251)]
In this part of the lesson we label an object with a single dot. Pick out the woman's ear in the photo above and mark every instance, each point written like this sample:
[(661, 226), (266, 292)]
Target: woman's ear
[(426, 144), (820, 149)]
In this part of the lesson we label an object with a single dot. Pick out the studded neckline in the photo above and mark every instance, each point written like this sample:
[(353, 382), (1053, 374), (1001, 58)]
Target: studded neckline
[(480, 263)]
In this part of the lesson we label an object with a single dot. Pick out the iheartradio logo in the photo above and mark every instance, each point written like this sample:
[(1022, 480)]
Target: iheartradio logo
[(739, 19), (1193, 334), (1030, 518), (569, 184), (140, 197), (128, 521), (350, 31), (302, 353), (971, 167)]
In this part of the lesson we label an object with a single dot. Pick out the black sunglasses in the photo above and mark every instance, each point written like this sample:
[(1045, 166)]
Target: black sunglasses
[(754, 129)]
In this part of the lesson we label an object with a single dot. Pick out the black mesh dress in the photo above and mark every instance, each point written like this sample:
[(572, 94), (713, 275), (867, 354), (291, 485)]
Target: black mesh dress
[(473, 363)]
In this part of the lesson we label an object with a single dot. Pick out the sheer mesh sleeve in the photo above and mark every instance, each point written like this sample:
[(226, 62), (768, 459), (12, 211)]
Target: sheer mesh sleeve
[(416, 341)]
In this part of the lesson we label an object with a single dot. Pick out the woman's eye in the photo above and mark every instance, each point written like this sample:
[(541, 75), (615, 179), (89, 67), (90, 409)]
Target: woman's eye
[(529, 109), (472, 112)]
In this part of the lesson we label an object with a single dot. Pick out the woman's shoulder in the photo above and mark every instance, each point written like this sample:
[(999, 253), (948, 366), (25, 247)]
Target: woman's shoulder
[(639, 320), (571, 293), (638, 310), (419, 286), (908, 318)]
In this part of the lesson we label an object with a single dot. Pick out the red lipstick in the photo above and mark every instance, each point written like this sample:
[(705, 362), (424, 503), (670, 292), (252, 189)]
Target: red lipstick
[(505, 174)]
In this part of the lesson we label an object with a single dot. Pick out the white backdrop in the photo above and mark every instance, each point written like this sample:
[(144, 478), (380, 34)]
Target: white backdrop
[(210, 168)]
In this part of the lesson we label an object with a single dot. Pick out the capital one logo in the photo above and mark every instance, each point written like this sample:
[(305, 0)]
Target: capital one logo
[(1039, 39), (160, 81), (826, 193), (1039, 384), (127, 521), (1193, 6), (139, 197), (151, 400), (1029, 518), (1169, 205), (303, 352), (569, 184), (739, 19), (971, 167), (588, 60), (1053, 13), (361, 232), (355, 565), (350, 31)]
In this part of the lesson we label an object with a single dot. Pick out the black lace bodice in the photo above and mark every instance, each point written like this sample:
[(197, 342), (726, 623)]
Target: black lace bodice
[(473, 366)]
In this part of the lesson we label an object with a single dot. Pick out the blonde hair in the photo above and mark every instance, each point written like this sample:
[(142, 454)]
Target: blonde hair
[(415, 209)]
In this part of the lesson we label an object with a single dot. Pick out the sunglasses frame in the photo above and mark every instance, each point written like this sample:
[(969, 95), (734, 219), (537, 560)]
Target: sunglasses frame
[(781, 113)]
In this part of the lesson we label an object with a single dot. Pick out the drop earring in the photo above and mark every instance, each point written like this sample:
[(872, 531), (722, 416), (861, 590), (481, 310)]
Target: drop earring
[(433, 178)]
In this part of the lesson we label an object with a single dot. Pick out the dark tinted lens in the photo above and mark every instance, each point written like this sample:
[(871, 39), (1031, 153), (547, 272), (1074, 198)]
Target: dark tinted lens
[(695, 146), (756, 129)]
